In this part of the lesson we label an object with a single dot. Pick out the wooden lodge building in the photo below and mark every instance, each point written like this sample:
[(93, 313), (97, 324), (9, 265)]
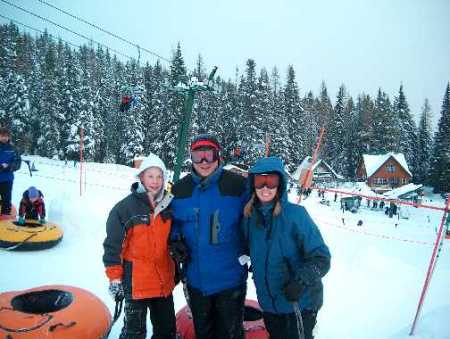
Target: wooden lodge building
[(384, 172)]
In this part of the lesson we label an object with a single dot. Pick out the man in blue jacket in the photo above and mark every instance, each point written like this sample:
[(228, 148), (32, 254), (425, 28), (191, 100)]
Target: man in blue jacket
[(207, 210), (9, 162)]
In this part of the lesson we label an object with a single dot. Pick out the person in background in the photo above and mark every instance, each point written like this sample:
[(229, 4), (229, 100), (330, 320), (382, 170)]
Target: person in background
[(207, 209), (136, 255), (288, 255), (10, 161), (32, 206)]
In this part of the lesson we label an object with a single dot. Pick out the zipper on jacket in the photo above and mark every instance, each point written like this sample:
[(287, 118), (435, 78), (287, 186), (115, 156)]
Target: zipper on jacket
[(266, 278), (197, 238)]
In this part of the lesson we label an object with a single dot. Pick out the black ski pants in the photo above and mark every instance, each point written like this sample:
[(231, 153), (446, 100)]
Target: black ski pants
[(5, 193), (218, 316), (283, 326), (162, 316)]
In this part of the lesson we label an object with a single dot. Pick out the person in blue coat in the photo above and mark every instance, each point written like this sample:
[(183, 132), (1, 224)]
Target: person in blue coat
[(9, 162), (206, 239), (287, 252)]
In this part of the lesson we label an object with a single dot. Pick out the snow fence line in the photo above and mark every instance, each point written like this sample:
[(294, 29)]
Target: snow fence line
[(87, 165), (74, 181), (382, 236), (396, 201)]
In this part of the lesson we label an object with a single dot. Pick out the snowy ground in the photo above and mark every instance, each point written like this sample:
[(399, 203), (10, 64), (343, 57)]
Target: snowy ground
[(372, 290)]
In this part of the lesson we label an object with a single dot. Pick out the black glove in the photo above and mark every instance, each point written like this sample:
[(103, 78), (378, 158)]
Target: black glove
[(116, 290), (293, 290), (179, 251)]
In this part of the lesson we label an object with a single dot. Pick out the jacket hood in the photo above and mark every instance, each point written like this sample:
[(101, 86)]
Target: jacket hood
[(270, 165)]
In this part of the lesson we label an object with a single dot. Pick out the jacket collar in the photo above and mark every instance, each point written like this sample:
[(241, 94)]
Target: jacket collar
[(162, 205), (204, 183)]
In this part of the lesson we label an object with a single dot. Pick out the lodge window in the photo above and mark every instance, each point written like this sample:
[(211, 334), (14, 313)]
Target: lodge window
[(380, 181), (390, 168), (393, 181), (404, 181)]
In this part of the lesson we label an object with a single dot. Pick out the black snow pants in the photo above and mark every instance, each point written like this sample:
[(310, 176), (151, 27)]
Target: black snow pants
[(162, 316), (218, 316), (5, 193), (283, 326)]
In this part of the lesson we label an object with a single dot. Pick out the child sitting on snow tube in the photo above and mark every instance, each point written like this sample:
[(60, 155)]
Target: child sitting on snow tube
[(32, 206)]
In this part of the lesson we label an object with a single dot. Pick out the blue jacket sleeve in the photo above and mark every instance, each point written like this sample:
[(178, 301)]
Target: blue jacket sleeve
[(316, 255)]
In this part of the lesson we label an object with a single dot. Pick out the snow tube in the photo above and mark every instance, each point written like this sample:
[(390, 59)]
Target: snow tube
[(29, 237), (253, 322), (54, 311), (11, 216)]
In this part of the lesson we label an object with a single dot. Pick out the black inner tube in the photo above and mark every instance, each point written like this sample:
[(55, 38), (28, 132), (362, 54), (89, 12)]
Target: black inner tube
[(252, 314), (40, 302)]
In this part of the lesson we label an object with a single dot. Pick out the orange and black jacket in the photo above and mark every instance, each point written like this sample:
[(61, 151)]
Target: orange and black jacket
[(135, 248)]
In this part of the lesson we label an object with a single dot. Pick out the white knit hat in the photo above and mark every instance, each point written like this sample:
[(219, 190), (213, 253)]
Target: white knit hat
[(152, 160)]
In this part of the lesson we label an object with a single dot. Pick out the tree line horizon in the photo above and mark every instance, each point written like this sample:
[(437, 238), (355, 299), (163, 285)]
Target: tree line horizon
[(50, 90)]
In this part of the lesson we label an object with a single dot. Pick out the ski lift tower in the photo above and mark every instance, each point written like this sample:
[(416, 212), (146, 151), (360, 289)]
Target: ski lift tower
[(188, 91)]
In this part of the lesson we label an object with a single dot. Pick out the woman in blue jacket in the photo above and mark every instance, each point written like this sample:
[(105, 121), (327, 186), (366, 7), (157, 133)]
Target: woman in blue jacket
[(288, 255)]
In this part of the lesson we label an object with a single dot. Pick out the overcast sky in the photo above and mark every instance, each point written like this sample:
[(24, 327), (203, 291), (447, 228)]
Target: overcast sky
[(363, 44)]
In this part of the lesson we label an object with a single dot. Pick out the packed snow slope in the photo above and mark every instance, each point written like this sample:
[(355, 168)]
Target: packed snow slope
[(371, 291)]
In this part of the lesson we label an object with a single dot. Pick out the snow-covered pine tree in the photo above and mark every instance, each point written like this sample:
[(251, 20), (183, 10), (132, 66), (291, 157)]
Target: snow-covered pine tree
[(424, 145), (385, 125), (103, 101), (264, 113), (408, 131), (277, 124), (115, 124), (293, 112), (324, 107), (440, 163), (61, 83), (365, 108), (132, 144), (49, 130), (334, 144), (156, 108), (86, 118), (211, 106), (14, 109), (171, 120), (36, 89), (351, 141), (247, 129), (229, 108), (311, 127)]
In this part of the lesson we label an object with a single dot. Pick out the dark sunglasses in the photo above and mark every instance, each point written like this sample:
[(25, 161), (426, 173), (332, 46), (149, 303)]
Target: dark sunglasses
[(271, 181), (209, 155)]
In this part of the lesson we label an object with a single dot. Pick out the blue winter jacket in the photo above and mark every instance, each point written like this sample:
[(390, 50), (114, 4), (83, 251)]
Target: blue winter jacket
[(207, 215), (9, 156), (284, 247)]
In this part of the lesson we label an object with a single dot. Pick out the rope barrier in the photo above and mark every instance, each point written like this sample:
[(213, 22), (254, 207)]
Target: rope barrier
[(382, 236), (76, 181), (396, 201), (88, 166)]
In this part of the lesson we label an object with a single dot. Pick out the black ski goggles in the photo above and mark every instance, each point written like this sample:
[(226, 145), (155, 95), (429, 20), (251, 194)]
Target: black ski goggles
[(208, 155)]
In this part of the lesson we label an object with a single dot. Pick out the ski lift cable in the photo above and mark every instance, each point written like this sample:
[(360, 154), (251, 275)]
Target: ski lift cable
[(67, 29), (36, 29), (105, 31)]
